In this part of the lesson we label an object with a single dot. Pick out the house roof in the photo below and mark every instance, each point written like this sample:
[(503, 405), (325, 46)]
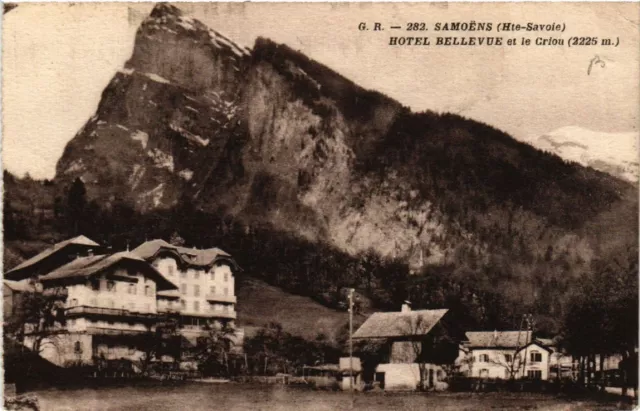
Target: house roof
[(497, 339), (190, 256), (79, 240), (18, 285), (547, 342), (399, 324), (84, 267)]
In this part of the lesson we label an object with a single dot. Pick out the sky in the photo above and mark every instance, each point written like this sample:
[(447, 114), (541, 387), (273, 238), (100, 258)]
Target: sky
[(58, 58)]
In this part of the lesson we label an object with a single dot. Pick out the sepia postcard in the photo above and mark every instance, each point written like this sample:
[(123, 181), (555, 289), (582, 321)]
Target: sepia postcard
[(320, 206)]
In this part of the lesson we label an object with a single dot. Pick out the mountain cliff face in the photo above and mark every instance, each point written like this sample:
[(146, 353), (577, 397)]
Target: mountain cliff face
[(273, 138)]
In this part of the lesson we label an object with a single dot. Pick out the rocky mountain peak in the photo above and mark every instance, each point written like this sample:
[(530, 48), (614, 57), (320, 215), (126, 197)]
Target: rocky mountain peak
[(272, 137)]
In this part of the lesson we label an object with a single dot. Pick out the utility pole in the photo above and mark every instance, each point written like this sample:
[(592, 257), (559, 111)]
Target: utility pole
[(351, 290)]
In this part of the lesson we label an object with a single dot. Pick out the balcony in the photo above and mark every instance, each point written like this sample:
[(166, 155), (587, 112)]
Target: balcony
[(114, 331), (83, 310), (224, 314), (222, 298)]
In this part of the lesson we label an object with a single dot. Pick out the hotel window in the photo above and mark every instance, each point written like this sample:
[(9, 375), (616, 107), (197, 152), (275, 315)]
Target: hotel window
[(196, 290), (226, 291), (212, 290), (73, 302), (484, 373), (225, 308), (508, 358), (534, 374), (170, 269), (132, 288), (183, 274), (213, 275), (196, 306), (183, 304), (147, 290), (111, 286), (183, 289), (483, 358), (226, 277), (95, 285), (196, 274), (536, 356)]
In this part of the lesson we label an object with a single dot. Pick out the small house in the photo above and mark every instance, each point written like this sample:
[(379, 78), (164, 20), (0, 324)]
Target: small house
[(415, 346), (505, 355)]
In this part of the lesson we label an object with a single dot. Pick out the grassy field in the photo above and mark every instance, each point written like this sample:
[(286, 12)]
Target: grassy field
[(239, 397), (260, 303)]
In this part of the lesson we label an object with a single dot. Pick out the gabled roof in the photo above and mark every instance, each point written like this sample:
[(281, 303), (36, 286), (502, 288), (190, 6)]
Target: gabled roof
[(189, 256), (399, 324), (85, 267), (497, 339), (79, 240), (18, 285)]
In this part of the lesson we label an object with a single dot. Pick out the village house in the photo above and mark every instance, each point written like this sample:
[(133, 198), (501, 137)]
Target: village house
[(504, 355), (416, 345), (206, 285)]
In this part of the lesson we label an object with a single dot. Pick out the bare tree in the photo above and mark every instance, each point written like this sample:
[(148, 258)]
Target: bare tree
[(511, 361), (415, 328)]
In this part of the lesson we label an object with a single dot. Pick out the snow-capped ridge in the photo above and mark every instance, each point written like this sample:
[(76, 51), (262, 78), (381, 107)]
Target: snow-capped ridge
[(613, 153)]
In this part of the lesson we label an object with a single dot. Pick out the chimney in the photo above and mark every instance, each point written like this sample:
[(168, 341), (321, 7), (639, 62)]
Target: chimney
[(406, 307)]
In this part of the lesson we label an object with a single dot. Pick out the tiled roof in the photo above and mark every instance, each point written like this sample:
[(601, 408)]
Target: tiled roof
[(399, 324), (192, 256), (493, 339), (87, 266), (80, 240)]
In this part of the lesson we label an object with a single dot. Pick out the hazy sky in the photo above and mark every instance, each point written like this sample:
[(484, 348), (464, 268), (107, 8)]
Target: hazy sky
[(57, 59)]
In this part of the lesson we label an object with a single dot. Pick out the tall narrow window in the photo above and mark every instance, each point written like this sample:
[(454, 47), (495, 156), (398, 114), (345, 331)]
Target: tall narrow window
[(226, 291), (183, 289), (196, 306), (132, 288), (196, 290), (196, 274), (147, 290), (170, 269), (212, 290), (226, 277), (183, 304), (536, 356)]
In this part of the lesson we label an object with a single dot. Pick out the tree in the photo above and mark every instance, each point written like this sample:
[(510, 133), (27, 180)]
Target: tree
[(162, 338), (38, 319), (213, 349), (176, 239), (76, 204), (512, 361)]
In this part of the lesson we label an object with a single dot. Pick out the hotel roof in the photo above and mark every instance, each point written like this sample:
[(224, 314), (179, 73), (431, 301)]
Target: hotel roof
[(85, 267), (79, 240)]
